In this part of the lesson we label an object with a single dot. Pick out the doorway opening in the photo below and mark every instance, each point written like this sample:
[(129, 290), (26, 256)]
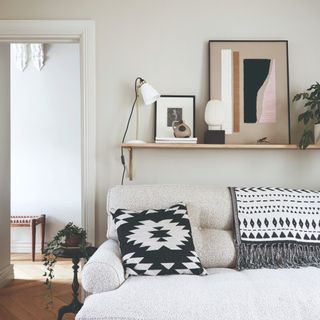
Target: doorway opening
[(51, 33), (45, 104)]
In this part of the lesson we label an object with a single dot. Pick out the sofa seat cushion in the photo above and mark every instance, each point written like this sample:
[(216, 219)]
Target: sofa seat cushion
[(225, 294)]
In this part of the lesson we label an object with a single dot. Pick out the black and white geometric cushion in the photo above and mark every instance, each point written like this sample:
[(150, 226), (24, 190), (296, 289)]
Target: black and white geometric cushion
[(157, 242)]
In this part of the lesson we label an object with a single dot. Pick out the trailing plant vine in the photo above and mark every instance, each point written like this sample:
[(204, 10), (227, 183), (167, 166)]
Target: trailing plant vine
[(61, 239)]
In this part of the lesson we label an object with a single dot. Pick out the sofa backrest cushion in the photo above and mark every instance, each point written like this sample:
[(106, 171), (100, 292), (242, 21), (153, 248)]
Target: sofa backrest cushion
[(209, 208)]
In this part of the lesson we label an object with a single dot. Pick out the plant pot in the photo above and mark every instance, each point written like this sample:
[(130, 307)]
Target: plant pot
[(317, 133), (73, 240)]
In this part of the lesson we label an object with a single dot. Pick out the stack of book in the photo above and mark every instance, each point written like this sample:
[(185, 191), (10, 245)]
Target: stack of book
[(176, 140)]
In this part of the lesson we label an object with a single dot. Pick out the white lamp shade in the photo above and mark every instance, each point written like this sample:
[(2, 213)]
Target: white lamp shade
[(214, 115), (149, 94)]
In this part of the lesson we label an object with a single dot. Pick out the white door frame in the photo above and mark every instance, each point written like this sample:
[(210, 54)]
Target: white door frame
[(83, 32)]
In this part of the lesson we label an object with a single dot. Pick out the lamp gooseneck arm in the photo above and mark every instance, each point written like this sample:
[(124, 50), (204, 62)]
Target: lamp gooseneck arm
[(132, 108), (137, 82)]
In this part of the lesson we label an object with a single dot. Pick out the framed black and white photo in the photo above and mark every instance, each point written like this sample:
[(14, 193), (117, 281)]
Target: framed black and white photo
[(173, 108)]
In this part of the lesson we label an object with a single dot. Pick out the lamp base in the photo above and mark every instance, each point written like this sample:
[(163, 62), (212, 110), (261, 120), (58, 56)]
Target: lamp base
[(136, 141), (214, 137)]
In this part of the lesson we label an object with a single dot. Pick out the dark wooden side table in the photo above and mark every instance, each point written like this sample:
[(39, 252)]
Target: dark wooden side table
[(75, 254)]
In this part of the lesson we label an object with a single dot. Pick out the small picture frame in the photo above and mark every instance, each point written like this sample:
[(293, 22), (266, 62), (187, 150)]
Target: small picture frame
[(171, 108)]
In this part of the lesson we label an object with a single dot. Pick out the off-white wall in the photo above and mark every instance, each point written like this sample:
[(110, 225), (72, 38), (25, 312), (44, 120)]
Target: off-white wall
[(165, 41), (45, 142), (6, 271)]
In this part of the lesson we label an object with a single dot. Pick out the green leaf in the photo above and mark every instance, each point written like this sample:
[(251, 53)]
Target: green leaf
[(297, 97), (305, 117), (308, 103), (313, 105), (306, 139), (301, 117)]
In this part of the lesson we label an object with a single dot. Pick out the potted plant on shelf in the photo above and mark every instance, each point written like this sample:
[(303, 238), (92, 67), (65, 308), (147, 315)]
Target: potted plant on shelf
[(70, 236), (311, 133)]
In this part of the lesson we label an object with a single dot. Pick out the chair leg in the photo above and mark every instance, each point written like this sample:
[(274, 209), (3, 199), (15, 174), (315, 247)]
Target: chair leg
[(33, 231), (43, 233)]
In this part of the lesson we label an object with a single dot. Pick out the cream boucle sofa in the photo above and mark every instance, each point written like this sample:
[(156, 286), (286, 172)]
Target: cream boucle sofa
[(225, 294)]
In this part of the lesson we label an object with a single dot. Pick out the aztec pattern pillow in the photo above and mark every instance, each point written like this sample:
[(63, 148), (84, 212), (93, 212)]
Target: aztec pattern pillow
[(157, 242)]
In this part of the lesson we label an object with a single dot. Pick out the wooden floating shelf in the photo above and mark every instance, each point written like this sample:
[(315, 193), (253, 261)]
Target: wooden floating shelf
[(198, 146), (214, 146)]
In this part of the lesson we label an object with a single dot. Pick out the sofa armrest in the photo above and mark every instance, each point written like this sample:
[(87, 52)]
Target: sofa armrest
[(104, 271)]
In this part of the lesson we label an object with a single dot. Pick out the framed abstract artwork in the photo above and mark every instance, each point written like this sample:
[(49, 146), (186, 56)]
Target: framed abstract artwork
[(251, 78), (173, 108)]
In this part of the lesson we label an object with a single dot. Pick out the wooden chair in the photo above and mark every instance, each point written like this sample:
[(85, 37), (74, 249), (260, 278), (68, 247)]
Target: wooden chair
[(31, 221)]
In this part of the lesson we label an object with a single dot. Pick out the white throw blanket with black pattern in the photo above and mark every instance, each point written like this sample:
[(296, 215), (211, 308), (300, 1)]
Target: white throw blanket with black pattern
[(276, 227)]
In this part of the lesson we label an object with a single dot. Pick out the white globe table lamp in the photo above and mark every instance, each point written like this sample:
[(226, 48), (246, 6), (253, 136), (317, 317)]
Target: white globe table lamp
[(214, 115), (215, 118)]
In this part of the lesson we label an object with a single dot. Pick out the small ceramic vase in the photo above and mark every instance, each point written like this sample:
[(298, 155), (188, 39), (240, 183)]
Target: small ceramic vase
[(180, 129)]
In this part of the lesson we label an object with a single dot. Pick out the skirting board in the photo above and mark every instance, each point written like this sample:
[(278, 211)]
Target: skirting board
[(24, 247), (6, 275)]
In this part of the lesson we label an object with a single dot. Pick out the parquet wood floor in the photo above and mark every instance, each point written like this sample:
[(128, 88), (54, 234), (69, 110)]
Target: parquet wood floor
[(23, 299)]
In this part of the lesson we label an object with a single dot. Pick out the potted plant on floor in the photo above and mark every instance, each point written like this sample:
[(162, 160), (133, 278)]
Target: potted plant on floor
[(311, 116), (70, 236)]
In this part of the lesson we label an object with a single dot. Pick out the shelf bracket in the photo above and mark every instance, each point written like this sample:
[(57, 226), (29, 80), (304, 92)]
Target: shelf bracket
[(130, 150)]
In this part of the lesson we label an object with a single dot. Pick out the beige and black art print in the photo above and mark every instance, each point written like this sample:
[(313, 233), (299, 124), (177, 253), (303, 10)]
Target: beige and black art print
[(251, 80)]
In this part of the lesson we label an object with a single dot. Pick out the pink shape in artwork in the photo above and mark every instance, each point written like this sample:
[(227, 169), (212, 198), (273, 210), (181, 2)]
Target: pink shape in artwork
[(269, 108)]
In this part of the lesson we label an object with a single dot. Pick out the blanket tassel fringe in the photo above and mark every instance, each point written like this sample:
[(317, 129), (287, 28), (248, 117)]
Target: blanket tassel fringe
[(278, 255)]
